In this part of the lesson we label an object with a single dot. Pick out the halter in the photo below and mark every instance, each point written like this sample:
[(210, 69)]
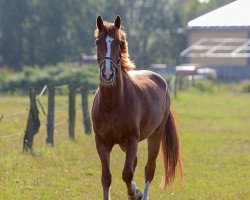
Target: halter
[(110, 60), (117, 65)]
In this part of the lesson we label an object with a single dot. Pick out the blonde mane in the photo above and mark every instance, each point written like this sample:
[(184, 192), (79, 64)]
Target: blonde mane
[(119, 35)]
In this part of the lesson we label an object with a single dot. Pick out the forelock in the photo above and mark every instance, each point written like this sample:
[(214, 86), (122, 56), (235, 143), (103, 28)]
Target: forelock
[(111, 30)]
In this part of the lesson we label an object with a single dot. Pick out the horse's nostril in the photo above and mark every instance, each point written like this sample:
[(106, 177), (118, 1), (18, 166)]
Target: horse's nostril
[(103, 72), (111, 76), (108, 74), (104, 77)]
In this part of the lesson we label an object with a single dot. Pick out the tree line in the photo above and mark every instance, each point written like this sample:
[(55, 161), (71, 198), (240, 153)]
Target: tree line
[(47, 32)]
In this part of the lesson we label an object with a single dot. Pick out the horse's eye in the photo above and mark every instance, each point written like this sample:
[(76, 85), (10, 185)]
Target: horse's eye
[(96, 43)]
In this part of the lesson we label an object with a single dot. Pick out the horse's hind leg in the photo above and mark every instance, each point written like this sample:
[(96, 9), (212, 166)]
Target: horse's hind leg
[(153, 149), (129, 167), (104, 153)]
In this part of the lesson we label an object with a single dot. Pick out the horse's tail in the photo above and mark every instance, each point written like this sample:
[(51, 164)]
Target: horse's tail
[(170, 147)]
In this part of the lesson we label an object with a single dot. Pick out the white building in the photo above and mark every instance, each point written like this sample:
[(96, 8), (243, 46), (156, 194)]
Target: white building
[(221, 39)]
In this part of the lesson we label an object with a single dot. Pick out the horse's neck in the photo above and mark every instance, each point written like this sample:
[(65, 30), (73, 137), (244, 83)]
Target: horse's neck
[(113, 96)]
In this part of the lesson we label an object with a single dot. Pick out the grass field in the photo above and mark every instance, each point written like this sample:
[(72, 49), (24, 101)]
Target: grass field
[(215, 136)]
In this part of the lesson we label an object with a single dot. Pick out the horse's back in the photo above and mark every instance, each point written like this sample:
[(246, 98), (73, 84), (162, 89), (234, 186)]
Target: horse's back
[(146, 78)]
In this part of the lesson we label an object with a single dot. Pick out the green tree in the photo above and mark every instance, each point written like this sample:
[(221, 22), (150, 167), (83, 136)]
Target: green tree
[(11, 32), (152, 29), (50, 31)]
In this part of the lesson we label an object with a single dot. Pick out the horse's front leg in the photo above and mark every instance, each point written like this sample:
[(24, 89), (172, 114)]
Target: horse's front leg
[(104, 153), (129, 167)]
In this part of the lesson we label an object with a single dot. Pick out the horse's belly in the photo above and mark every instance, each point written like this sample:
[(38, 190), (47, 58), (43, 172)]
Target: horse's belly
[(148, 129), (152, 119)]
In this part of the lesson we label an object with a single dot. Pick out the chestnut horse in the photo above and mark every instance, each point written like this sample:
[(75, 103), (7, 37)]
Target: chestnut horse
[(130, 106)]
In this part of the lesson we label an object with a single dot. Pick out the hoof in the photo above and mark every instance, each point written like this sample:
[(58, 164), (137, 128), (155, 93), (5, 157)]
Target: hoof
[(131, 198), (138, 195)]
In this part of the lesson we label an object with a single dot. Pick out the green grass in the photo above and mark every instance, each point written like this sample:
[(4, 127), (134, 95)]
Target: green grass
[(215, 140)]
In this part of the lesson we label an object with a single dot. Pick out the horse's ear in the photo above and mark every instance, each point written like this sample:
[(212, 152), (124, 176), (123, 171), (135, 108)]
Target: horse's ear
[(99, 23), (118, 22)]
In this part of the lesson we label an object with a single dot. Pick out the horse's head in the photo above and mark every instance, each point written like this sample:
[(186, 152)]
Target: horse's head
[(109, 41)]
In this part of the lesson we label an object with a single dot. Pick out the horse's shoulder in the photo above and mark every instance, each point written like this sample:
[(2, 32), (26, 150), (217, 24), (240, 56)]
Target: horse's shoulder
[(95, 101)]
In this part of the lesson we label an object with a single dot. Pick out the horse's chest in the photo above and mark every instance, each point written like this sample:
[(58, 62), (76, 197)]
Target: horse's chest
[(113, 127)]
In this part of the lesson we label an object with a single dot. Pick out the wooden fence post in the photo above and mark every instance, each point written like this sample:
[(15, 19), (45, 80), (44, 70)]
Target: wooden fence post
[(181, 82), (51, 115), (85, 110), (72, 111), (33, 123), (193, 81), (176, 85)]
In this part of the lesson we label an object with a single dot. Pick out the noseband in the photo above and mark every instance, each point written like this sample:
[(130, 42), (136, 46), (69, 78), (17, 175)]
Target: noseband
[(117, 65)]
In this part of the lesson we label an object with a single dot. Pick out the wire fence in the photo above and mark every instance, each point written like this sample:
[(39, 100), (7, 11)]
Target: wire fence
[(5, 116), (8, 118), (12, 135)]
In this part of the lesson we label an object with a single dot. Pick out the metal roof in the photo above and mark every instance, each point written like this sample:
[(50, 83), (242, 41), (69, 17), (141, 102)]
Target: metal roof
[(235, 14), (219, 48)]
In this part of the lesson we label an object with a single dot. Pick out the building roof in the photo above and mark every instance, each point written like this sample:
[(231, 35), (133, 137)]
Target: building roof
[(235, 14), (219, 48)]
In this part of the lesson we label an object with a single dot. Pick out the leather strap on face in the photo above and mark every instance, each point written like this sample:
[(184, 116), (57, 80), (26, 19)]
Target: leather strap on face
[(110, 60), (117, 65)]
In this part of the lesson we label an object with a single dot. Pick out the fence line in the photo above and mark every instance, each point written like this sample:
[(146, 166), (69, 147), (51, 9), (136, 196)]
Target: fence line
[(61, 122), (41, 106), (4, 116), (11, 135), (34, 125), (56, 124), (43, 90), (12, 115), (41, 127)]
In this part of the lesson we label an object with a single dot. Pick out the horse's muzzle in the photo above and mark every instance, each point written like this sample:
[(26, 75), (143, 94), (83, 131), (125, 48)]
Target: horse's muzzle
[(107, 75)]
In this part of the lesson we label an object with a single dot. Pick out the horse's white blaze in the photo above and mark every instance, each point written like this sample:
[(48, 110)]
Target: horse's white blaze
[(108, 70)]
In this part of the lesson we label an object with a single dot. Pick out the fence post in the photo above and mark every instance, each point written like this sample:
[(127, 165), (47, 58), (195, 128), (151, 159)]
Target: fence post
[(51, 115), (85, 110), (72, 111), (33, 123), (181, 82), (176, 85), (193, 81)]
